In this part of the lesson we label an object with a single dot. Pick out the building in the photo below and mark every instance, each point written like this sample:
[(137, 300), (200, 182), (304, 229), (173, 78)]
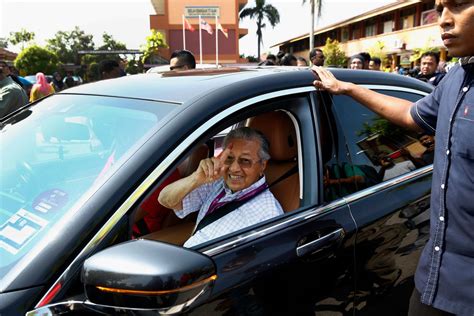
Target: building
[(169, 21), (399, 28), (7, 55)]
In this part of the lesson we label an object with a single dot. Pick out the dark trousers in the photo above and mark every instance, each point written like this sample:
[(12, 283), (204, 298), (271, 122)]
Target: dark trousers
[(417, 308)]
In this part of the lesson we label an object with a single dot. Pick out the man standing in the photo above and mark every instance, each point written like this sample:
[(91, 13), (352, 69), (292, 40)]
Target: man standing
[(229, 191), (317, 57), (445, 275), (429, 65), (12, 96), (109, 69), (375, 63)]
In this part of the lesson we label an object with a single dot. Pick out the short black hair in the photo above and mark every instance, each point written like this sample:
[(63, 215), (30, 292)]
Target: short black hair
[(185, 57), (314, 52), (431, 54), (376, 60), (271, 57), (366, 56), (107, 65), (287, 59), (280, 54)]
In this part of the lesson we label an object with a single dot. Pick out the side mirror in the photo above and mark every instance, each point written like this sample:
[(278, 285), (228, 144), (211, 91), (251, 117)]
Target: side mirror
[(145, 274)]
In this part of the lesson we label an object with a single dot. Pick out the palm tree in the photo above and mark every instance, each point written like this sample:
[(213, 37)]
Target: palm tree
[(313, 4), (260, 12)]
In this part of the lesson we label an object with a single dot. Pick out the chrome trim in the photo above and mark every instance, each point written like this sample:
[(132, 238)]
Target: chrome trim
[(300, 152), (418, 173), (393, 88), (165, 164), (308, 247)]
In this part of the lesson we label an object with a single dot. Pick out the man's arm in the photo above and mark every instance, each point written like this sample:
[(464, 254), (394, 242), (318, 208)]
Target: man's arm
[(209, 170), (393, 109)]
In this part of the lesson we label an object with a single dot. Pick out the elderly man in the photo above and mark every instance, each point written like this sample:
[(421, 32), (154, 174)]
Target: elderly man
[(229, 191), (444, 278)]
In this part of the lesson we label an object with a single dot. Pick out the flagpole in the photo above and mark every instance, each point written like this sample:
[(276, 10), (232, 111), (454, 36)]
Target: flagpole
[(217, 45), (200, 40), (184, 36)]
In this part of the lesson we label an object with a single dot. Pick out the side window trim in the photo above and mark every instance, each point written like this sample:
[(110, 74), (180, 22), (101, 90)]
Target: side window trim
[(125, 207)]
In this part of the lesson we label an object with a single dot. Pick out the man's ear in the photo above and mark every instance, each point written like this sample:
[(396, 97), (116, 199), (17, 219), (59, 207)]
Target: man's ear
[(264, 164)]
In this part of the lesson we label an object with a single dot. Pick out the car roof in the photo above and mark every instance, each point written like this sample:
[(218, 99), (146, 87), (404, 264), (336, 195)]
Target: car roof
[(201, 82)]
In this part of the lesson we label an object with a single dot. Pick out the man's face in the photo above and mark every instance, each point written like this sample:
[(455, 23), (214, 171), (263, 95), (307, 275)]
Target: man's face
[(456, 22), (243, 166), (356, 63), (318, 59), (114, 73), (373, 65), (428, 65), (5, 69), (175, 64)]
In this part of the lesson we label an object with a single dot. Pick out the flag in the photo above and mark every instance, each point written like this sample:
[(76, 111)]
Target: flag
[(188, 25), (205, 26), (223, 30)]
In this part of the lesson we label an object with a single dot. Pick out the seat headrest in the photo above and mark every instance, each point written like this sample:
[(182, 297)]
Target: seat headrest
[(280, 132)]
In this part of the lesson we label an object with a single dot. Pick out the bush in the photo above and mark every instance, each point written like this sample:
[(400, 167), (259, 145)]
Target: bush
[(35, 59)]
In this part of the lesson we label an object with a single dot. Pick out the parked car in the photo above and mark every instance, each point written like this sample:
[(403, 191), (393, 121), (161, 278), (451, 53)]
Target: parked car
[(77, 80), (78, 166)]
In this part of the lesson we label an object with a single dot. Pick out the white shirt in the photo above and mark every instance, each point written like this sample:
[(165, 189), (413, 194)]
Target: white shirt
[(262, 207)]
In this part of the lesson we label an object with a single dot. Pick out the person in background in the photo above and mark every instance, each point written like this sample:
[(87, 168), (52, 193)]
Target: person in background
[(356, 62), (69, 81), (367, 59), (58, 83), (375, 63), (272, 58), (301, 62), (7, 72), (288, 60), (12, 96), (41, 88), (109, 69), (317, 57), (182, 60), (428, 69), (279, 56), (444, 279)]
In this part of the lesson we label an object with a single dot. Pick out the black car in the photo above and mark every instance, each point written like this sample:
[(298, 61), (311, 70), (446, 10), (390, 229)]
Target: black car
[(79, 167)]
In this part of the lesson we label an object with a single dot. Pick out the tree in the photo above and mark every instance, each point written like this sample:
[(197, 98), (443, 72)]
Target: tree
[(3, 42), (334, 55), (313, 4), (22, 37), (67, 44), (154, 42), (109, 43), (261, 11), (35, 59)]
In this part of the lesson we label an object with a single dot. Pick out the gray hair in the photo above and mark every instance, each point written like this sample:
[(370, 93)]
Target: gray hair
[(251, 134)]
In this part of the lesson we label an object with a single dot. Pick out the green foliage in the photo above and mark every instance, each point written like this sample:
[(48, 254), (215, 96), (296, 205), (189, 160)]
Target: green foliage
[(92, 73), (134, 67), (260, 12), (417, 52), (66, 45), (382, 127), (154, 42), (3, 42), (109, 44), (378, 50), (333, 53), (35, 59), (22, 37)]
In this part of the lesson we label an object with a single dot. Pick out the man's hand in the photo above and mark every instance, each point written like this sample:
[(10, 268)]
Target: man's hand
[(328, 82), (211, 169)]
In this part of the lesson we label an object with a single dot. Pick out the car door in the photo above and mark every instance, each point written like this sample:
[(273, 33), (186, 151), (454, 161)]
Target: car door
[(391, 206), (297, 263)]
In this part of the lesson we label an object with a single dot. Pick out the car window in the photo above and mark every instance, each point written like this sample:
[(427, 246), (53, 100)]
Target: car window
[(283, 173), (379, 150), (57, 151)]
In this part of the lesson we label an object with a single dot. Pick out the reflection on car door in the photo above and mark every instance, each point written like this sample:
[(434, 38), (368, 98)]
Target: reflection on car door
[(391, 211)]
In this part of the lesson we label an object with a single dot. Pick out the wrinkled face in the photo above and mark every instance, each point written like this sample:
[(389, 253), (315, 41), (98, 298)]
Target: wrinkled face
[(456, 22), (356, 63), (243, 166), (428, 65)]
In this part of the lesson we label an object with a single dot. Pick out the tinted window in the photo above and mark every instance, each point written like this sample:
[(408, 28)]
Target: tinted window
[(379, 150), (57, 151)]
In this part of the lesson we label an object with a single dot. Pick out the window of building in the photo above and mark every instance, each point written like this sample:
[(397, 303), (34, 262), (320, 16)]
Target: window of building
[(344, 34), (388, 23), (371, 27), (407, 18), (355, 31)]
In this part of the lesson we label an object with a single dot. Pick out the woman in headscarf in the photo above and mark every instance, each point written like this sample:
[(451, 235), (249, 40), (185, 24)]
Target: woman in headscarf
[(58, 84), (41, 88)]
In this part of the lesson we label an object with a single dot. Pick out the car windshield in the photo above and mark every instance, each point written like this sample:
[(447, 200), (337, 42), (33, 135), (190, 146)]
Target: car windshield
[(53, 155)]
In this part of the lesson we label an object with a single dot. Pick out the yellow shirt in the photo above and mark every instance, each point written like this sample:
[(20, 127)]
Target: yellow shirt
[(35, 94)]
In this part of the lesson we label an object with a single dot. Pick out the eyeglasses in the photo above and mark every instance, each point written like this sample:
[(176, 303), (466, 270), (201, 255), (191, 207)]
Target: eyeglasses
[(244, 163)]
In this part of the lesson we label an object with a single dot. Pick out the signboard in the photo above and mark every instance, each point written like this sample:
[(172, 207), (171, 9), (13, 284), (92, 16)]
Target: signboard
[(203, 11), (405, 59)]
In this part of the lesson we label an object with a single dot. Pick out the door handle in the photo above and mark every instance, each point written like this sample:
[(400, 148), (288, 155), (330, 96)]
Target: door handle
[(321, 243)]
